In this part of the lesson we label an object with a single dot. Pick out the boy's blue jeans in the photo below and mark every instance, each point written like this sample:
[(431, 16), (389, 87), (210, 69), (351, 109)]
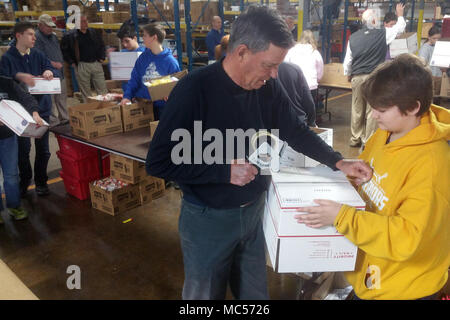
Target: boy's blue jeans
[(8, 164), (40, 162), (221, 247)]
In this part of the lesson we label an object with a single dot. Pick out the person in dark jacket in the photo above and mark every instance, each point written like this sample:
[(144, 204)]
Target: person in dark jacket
[(223, 195), (22, 62), (11, 90), (84, 50), (297, 89)]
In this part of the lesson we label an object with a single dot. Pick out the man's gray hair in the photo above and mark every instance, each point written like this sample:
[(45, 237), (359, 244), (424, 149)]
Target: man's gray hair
[(371, 18), (257, 28)]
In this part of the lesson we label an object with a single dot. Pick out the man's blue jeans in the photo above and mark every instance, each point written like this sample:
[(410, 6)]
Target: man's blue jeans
[(40, 162), (221, 247), (8, 164)]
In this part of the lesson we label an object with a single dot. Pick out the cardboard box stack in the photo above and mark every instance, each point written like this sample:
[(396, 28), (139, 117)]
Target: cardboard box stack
[(109, 17), (80, 166), (128, 187), (122, 64), (294, 247)]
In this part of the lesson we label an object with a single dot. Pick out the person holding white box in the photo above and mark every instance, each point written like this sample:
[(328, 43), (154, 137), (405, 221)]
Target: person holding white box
[(9, 89), (404, 251), (23, 63)]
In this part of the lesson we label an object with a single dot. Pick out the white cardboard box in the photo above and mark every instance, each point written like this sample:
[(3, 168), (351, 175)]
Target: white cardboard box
[(441, 54), (122, 63), (15, 117), (44, 86), (404, 43), (291, 158), (294, 247)]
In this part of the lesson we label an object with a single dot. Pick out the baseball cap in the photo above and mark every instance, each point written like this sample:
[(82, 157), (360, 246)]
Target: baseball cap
[(47, 20)]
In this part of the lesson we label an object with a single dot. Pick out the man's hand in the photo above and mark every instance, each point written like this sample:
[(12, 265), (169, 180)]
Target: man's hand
[(56, 65), (242, 173), (322, 215), (37, 118), (125, 101), (25, 78), (400, 9), (48, 75), (357, 170)]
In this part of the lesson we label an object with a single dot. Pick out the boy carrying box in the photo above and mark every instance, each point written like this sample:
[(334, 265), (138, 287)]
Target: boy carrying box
[(403, 234)]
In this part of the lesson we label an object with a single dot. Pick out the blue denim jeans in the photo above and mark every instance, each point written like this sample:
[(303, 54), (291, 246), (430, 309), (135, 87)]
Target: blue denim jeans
[(8, 164), (222, 247), (40, 162)]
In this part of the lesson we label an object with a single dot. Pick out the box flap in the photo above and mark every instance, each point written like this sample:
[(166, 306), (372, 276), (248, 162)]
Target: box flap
[(319, 174)]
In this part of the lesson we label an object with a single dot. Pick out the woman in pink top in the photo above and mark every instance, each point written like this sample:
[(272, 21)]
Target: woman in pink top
[(305, 55)]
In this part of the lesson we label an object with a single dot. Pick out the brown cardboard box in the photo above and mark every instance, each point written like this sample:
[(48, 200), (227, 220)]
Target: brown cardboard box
[(212, 9), (333, 75), (425, 28), (162, 91), (153, 125), (137, 115), (445, 86), (95, 119), (151, 188), (113, 84), (116, 201), (127, 170)]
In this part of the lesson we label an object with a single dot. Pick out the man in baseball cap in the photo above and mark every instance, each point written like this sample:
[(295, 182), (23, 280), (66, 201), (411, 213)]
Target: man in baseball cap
[(47, 20), (47, 42)]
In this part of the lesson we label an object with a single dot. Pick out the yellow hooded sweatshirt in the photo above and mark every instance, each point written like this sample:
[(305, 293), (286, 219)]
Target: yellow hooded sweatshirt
[(403, 236)]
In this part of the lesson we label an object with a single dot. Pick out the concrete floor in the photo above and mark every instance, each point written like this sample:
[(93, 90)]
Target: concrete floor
[(140, 259)]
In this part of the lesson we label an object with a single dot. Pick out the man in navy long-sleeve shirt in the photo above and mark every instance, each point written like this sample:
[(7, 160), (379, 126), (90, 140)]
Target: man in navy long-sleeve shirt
[(213, 37), (220, 221), (22, 62)]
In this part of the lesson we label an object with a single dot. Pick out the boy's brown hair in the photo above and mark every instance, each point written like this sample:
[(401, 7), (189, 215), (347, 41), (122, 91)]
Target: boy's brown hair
[(21, 27), (400, 82), (154, 28)]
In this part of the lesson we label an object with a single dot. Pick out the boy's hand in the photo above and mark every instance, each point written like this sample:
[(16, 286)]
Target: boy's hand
[(356, 169), (48, 75), (25, 78), (38, 119), (319, 216), (125, 101)]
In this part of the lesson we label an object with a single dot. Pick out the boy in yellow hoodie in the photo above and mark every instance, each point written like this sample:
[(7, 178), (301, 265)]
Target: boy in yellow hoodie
[(403, 236)]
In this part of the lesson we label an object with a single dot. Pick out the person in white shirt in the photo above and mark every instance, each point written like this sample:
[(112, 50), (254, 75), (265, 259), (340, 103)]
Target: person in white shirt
[(366, 50), (305, 55)]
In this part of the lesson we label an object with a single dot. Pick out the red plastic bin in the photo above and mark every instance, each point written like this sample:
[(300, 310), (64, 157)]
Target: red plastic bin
[(83, 169), (75, 187), (74, 149)]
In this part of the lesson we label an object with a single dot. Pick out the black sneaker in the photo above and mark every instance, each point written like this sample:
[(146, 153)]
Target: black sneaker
[(42, 190)]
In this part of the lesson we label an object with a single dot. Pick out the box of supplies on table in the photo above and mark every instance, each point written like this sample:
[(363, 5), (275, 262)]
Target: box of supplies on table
[(95, 119), (294, 247), (19, 120)]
